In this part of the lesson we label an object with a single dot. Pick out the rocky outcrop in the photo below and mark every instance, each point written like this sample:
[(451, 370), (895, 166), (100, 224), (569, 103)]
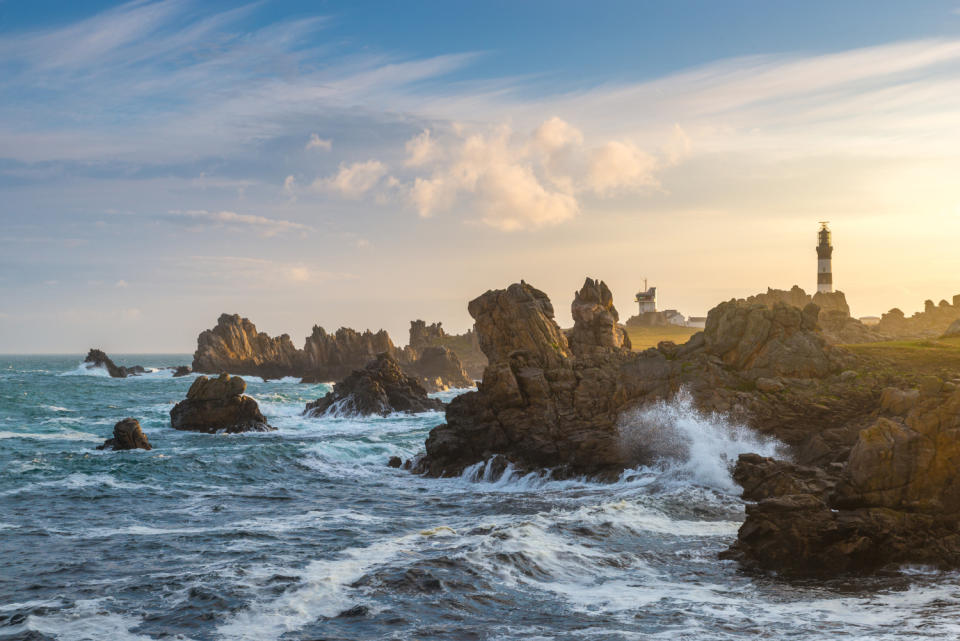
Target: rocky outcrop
[(595, 320), (97, 358), (465, 346), (379, 388), (835, 322), (236, 346), (794, 297), (894, 500), (182, 370), (438, 368), (549, 401), (766, 342), (127, 435), (932, 322), (218, 405)]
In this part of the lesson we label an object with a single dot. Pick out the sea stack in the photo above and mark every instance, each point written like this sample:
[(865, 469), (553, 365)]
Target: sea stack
[(218, 405)]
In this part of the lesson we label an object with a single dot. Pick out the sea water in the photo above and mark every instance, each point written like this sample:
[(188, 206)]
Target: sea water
[(306, 533)]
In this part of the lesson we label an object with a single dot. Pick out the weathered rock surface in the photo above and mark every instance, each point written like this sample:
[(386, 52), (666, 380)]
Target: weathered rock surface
[(932, 322), (438, 368), (235, 345), (379, 388), (182, 370), (595, 320), (835, 322), (215, 405), (549, 401), (97, 358), (894, 500), (465, 346), (127, 435)]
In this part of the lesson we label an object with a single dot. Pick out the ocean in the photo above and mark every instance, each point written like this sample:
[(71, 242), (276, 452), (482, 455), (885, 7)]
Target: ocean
[(306, 533)]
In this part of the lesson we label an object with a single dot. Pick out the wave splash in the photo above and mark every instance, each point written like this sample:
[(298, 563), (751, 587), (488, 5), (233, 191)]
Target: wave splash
[(675, 436)]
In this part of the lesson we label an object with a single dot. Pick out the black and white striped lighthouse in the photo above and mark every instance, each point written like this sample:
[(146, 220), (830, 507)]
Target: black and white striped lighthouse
[(824, 253)]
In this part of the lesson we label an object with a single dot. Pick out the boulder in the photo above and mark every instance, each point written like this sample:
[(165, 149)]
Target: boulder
[(768, 342), (182, 370), (215, 405), (97, 358), (379, 388), (127, 435)]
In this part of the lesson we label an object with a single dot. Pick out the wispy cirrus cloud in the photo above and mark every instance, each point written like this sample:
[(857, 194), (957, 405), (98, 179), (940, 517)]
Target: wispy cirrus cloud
[(264, 226)]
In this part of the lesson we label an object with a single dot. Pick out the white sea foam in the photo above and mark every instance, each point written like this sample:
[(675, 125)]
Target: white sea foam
[(88, 620), (86, 369), (52, 436), (701, 446), (78, 480)]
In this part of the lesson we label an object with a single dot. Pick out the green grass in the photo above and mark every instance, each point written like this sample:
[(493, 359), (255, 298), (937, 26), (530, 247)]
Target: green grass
[(643, 337), (932, 356)]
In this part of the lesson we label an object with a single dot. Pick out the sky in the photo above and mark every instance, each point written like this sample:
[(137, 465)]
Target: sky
[(364, 164)]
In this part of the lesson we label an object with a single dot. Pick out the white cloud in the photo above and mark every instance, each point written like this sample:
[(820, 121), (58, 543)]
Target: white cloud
[(514, 181), (121, 284), (298, 274), (130, 314), (316, 142), (421, 149), (266, 226), (354, 180)]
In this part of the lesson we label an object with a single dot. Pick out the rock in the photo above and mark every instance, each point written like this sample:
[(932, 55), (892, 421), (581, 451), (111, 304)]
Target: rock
[(379, 388), (595, 320), (953, 331), (782, 341), (215, 405), (97, 358), (848, 375), (438, 368), (895, 500), (127, 435), (395, 461), (465, 346), (794, 297), (236, 346), (933, 322), (182, 370), (769, 385)]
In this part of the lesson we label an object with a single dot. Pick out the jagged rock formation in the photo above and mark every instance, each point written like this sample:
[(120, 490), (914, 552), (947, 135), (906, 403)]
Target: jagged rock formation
[(837, 325), (894, 500), (465, 346), (549, 401), (127, 435), (595, 320), (379, 388), (932, 322), (438, 368), (953, 331), (97, 358), (215, 405), (236, 346), (182, 370)]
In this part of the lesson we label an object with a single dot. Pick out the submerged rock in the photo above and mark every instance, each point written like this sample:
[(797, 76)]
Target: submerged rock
[(379, 388), (216, 405), (182, 370), (97, 358), (127, 435)]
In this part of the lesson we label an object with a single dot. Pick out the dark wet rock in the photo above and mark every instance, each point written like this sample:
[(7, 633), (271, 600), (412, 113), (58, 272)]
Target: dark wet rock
[(97, 358), (379, 388), (182, 370), (127, 435), (395, 461), (354, 612), (216, 405), (894, 500)]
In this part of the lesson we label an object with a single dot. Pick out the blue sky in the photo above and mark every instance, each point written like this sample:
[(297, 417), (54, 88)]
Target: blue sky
[(368, 163)]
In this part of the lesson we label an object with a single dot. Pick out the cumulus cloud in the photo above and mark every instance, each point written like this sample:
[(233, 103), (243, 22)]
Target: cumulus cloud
[(265, 226), (512, 181), (354, 180), (420, 149), (316, 142)]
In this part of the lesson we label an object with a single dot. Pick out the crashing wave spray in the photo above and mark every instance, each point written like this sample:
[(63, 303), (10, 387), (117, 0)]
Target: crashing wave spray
[(701, 446)]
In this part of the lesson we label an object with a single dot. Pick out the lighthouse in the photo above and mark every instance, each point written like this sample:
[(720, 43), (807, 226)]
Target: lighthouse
[(824, 252)]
